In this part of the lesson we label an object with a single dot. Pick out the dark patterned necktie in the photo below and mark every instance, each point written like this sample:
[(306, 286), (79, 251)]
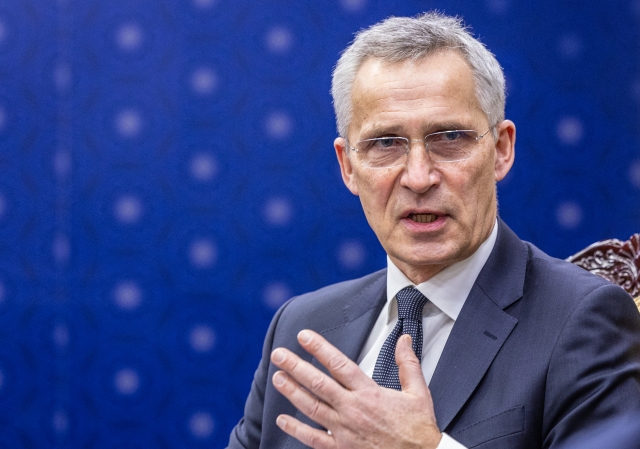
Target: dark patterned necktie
[(410, 304)]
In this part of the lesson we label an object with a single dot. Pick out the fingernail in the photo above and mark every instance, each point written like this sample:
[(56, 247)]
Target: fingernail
[(278, 356), (304, 336), (279, 379), (281, 422)]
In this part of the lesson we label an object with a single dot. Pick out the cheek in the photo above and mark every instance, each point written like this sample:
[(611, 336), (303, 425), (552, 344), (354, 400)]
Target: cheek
[(375, 191), (476, 187), (484, 192)]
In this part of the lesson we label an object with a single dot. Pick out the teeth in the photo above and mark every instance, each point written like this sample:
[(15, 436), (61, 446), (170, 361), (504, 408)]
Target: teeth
[(423, 218)]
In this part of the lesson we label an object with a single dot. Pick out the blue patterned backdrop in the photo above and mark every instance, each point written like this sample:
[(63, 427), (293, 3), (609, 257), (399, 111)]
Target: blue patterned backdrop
[(167, 180)]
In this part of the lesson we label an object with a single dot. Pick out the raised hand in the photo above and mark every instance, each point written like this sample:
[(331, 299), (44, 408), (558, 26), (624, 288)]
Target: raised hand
[(357, 412)]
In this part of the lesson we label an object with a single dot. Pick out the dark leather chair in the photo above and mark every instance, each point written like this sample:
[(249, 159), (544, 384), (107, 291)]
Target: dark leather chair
[(615, 260)]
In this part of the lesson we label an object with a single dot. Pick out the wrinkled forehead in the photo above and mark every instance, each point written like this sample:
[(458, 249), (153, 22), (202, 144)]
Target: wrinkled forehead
[(440, 84), (374, 71), (440, 67)]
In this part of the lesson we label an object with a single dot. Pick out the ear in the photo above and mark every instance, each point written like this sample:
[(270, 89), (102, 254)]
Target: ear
[(342, 153), (505, 148)]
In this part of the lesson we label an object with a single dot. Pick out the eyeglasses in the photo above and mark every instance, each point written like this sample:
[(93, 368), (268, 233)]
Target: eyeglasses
[(443, 146)]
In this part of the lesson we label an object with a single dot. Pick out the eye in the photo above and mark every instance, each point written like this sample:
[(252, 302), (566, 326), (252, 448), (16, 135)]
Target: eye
[(452, 136), (382, 151), (388, 143), (382, 145)]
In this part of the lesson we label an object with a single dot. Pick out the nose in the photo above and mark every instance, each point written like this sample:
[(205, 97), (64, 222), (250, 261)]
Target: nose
[(419, 172)]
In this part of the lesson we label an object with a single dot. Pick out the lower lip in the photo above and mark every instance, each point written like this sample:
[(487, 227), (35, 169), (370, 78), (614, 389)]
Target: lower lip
[(425, 227)]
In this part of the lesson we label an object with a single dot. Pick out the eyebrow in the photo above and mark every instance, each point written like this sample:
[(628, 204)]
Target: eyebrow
[(381, 130), (445, 126), (432, 127)]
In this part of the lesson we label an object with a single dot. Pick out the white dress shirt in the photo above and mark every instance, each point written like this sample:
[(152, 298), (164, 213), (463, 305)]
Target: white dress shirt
[(447, 291)]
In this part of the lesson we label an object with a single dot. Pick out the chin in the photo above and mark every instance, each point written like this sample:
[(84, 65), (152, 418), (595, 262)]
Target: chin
[(427, 257)]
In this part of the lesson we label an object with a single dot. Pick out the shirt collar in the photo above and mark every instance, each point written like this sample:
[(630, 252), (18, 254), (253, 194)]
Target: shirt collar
[(447, 290)]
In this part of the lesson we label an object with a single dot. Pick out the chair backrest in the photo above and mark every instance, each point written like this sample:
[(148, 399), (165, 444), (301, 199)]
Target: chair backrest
[(615, 260)]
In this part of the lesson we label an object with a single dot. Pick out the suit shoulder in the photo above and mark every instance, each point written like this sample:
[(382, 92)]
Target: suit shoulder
[(339, 294), (566, 282), (329, 307), (558, 269)]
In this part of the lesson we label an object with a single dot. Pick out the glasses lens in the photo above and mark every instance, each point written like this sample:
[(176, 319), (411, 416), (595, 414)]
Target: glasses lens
[(450, 146), (381, 152)]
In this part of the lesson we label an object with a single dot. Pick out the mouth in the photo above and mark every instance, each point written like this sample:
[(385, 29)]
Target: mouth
[(423, 218)]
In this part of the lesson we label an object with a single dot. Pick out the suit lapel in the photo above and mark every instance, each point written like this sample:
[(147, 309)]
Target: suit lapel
[(481, 328), (478, 334), (360, 314)]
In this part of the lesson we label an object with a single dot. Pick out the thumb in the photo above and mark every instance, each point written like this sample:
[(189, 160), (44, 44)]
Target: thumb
[(412, 382), (409, 369)]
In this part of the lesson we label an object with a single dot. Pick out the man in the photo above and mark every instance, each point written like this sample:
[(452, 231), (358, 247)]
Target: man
[(518, 350)]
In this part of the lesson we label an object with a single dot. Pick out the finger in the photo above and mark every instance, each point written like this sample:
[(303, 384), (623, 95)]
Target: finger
[(307, 375), (409, 369), (307, 435), (339, 365), (304, 401)]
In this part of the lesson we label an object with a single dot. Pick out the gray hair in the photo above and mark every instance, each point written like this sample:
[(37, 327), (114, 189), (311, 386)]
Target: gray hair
[(398, 39)]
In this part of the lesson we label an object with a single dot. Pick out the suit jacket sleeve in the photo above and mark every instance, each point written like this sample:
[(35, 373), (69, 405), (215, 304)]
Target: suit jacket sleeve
[(594, 371)]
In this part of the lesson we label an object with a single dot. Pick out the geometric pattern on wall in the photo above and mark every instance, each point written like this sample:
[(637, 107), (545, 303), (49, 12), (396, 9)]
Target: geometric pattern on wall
[(167, 180)]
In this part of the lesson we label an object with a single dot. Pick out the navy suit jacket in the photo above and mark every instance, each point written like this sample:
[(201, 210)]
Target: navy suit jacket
[(619, 433), (540, 350)]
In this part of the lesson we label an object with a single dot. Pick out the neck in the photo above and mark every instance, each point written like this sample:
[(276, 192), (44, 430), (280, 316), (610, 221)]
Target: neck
[(419, 274)]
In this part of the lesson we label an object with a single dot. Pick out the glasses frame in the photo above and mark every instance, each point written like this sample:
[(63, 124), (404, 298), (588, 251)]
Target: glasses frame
[(423, 140)]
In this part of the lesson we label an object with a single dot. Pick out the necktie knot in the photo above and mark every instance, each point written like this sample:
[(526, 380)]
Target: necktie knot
[(410, 304)]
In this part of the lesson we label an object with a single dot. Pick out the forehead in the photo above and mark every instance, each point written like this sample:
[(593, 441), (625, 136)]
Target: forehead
[(436, 89)]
